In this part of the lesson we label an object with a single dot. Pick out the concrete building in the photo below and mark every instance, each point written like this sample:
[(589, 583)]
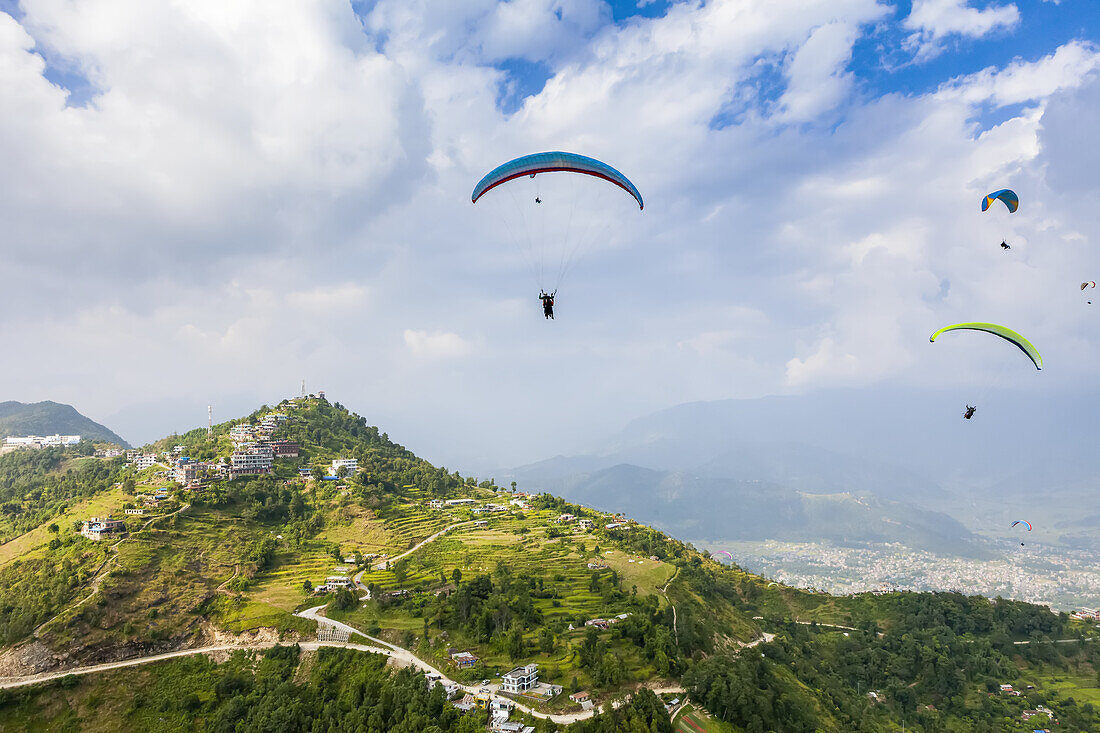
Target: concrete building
[(42, 441), (242, 433), (98, 528), (284, 448), (520, 679), (144, 461), (334, 583), (351, 464), (251, 459), (464, 659), (187, 471)]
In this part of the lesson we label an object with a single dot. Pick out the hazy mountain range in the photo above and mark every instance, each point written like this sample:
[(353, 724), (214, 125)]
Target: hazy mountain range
[(848, 466), (51, 418)]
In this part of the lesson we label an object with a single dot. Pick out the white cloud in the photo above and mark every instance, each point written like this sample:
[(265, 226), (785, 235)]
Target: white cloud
[(436, 344), (934, 21), (816, 77), (265, 192), (1026, 81)]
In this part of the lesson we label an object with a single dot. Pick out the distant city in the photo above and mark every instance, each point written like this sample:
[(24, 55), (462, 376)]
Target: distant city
[(1064, 579)]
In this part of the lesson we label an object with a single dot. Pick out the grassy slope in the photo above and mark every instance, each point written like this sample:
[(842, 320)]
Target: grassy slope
[(25, 544)]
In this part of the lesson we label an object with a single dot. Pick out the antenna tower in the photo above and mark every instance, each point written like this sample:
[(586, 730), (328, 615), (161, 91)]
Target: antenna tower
[(209, 420)]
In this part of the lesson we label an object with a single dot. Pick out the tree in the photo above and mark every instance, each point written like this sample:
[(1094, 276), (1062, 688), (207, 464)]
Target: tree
[(546, 640), (513, 487), (456, 576), (317, 473), (345, 600), (514, 642), (307, 586), (53, 528)]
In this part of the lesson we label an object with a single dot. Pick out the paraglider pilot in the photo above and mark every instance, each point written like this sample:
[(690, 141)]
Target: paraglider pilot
[(547, 303), (970, 410), (1005, 245)]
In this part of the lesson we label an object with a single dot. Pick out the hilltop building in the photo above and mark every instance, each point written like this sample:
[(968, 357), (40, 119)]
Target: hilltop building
[(351, 464), (284, 448), (251, 459), (242, 433), (187, 471), (144, 460)]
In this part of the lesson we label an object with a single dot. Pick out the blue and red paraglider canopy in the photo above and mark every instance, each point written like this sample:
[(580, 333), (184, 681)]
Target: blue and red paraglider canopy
[(531, 165)]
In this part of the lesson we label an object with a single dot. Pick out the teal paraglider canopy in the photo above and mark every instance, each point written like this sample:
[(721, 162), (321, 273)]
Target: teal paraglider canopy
[(1006, 195), (555, 161)]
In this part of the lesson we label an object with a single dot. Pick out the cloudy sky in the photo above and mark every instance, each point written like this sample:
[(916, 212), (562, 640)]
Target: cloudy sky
[(206, 202)]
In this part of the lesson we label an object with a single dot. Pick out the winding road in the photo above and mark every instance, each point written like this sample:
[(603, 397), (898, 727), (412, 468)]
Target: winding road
[(378, 646)]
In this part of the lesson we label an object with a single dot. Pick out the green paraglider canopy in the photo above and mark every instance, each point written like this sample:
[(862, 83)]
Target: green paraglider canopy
[(1006, 333)]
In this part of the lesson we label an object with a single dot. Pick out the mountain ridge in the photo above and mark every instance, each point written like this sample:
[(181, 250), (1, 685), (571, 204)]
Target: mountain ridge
[(50, 418)]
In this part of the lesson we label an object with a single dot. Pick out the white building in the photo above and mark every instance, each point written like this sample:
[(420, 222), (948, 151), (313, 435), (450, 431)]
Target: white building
[(334, 583), (251, 460), (144, 461), (460, 502), (97, 528), (41, 441), (352, 464), (241, 433), (520, 679)]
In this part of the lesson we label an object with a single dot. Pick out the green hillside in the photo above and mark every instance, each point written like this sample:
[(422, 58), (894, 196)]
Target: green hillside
[(52, 418), (235, 560)]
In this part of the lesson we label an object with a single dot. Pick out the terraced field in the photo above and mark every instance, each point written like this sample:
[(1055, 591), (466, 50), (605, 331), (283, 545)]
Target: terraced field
[(697, 720), (25, 544)]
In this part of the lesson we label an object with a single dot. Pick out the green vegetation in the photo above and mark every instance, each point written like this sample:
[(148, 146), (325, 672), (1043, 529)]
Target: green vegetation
[(37, 485), (50, 418), (245, 554), (280, 689)]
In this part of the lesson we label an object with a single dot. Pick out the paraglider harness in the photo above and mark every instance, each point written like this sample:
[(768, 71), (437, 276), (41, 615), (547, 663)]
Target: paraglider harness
[(547, 303), (970, 410)]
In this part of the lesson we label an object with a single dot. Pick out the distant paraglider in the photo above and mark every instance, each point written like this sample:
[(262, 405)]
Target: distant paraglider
[(1024, 523), (970, 410), (1090, 284), (1005, 245), (1006, 333), (724, 552), (1006, 196)]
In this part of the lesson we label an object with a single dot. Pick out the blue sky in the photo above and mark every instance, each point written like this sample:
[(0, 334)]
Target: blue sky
[(256, 193)]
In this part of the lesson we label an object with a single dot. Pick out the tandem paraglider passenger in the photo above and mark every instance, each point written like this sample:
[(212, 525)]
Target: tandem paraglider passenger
[(970, 410), (547, 303)]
